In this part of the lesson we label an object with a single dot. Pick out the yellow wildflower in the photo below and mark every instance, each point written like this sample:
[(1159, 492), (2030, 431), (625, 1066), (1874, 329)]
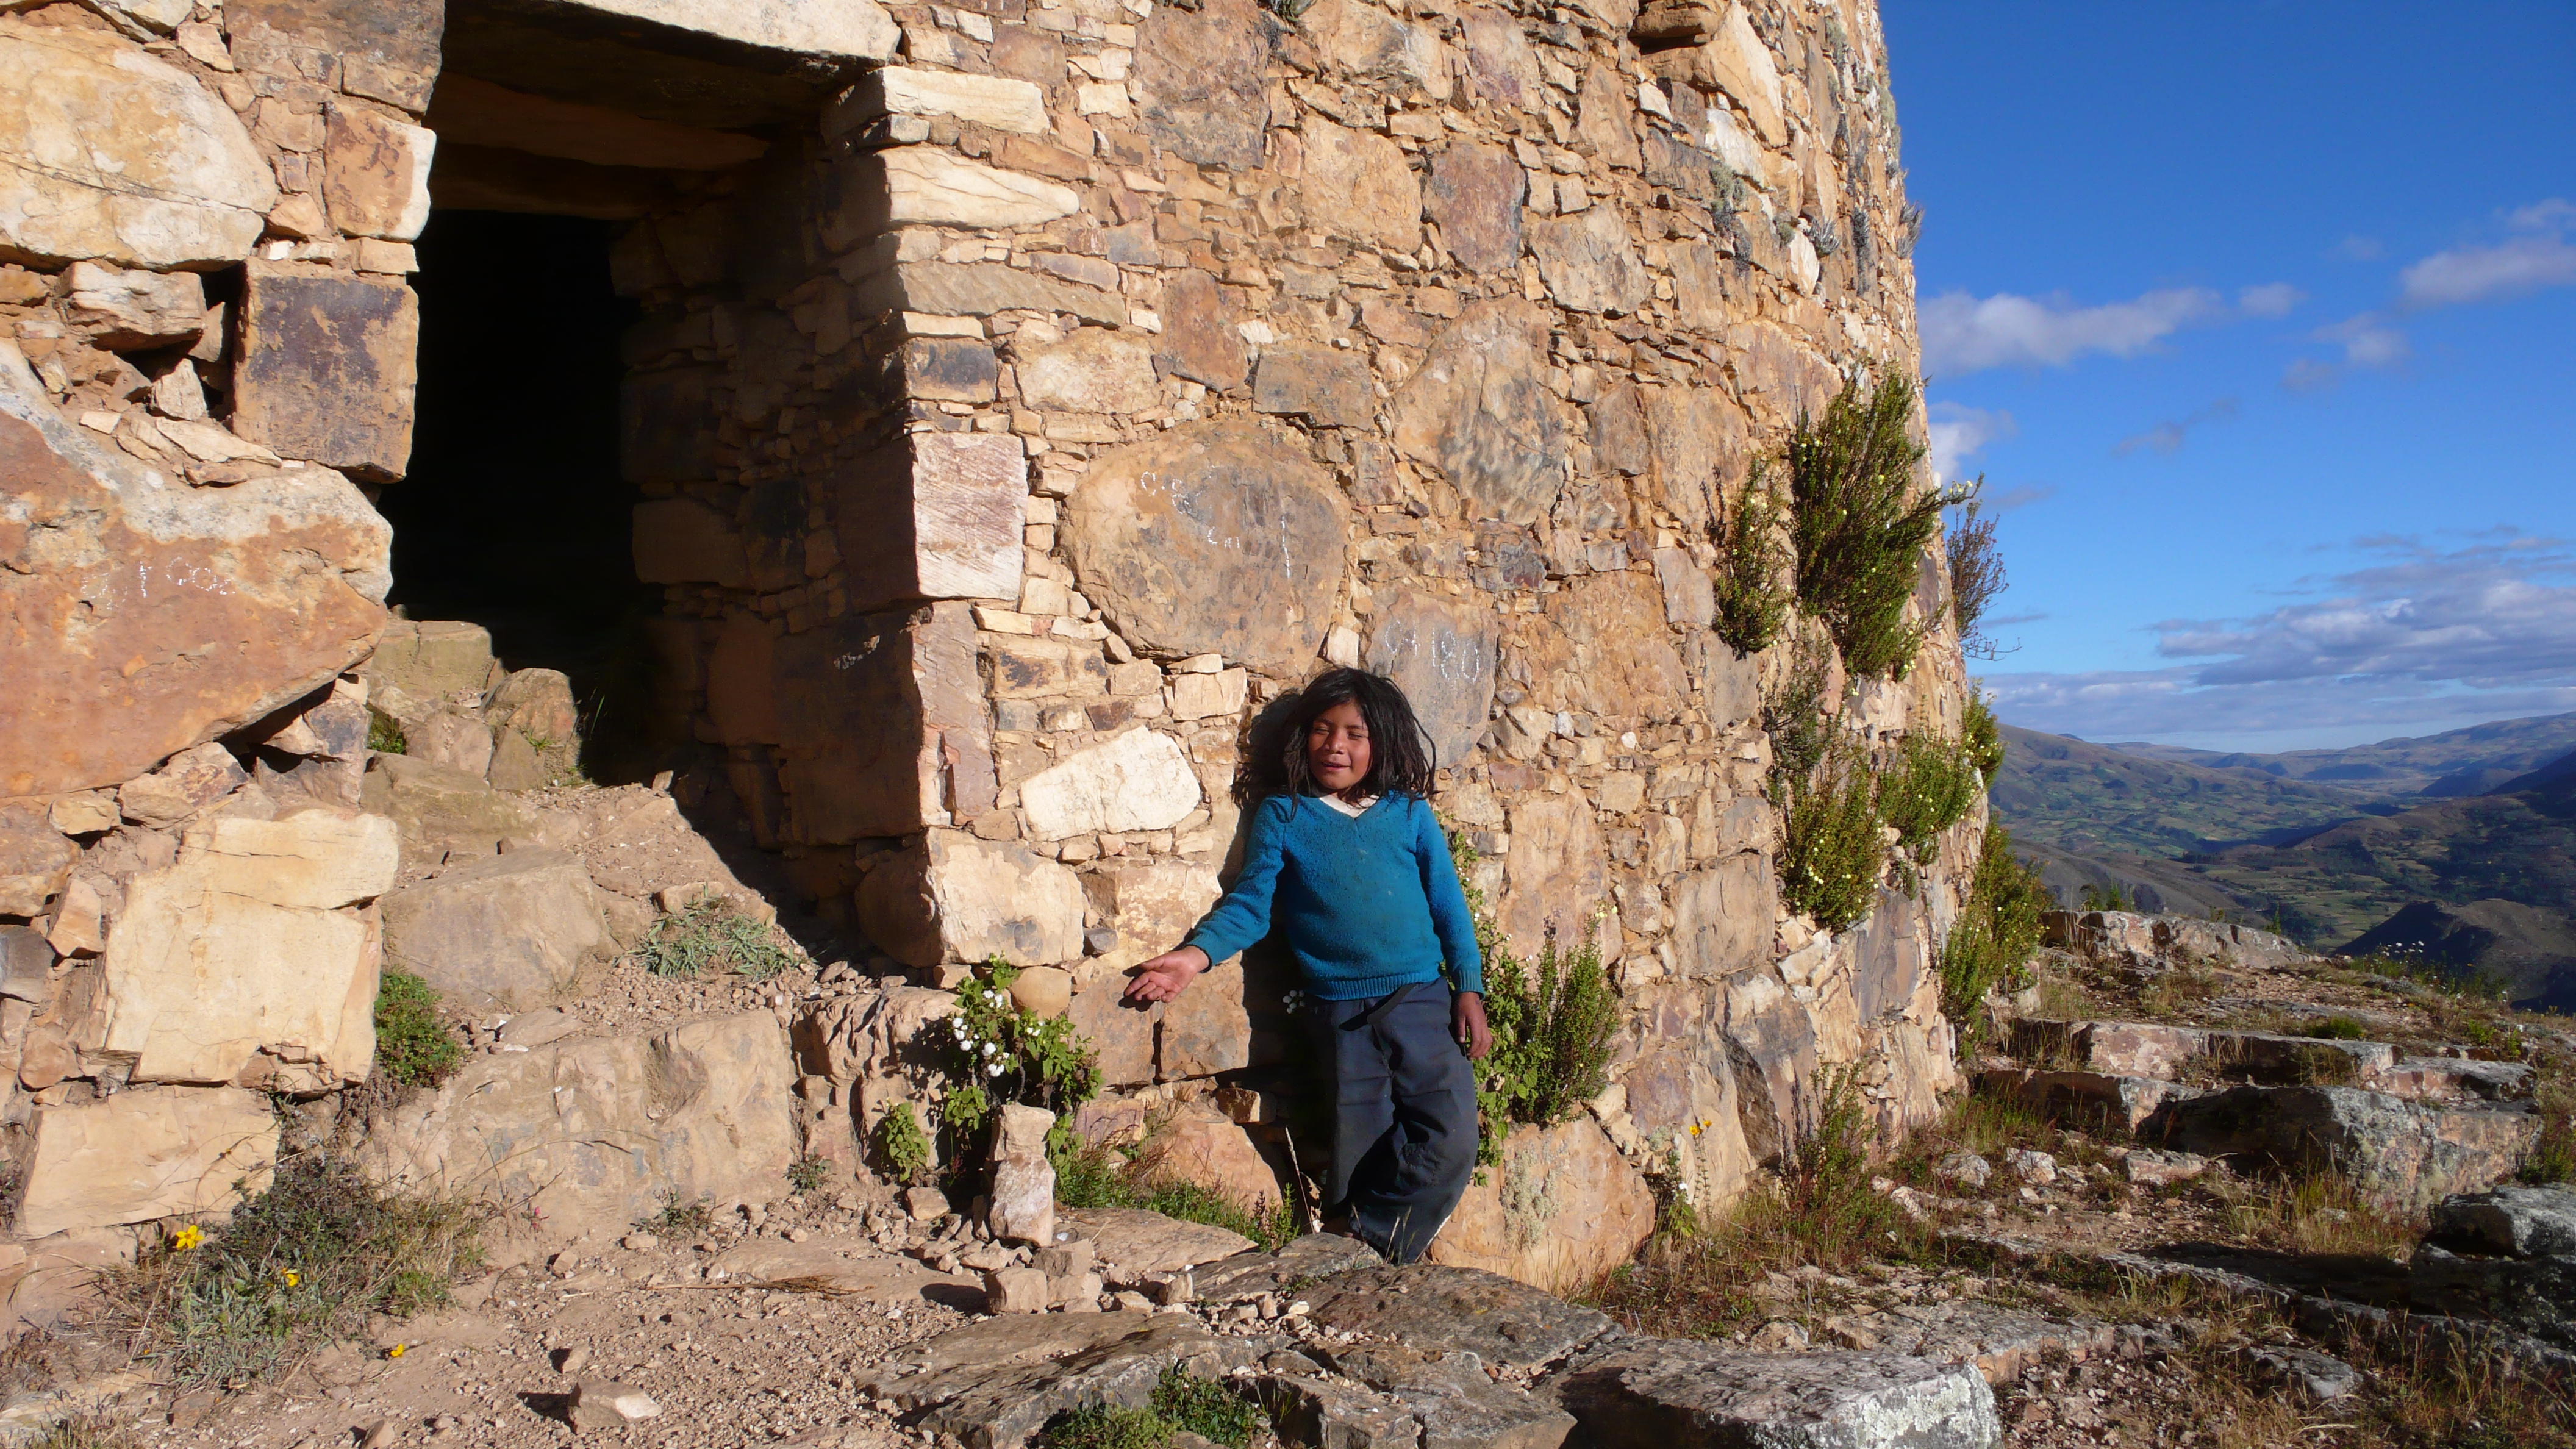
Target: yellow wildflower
[(188, 1237), (397, 1350), (293, 1278)]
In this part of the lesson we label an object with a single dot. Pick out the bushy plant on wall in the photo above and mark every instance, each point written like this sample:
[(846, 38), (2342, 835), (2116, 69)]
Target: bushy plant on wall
[(1752, 602), (1552, 1027), (1860, 524)]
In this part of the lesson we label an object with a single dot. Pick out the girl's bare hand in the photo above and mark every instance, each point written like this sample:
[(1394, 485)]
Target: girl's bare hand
[(1467, 1024), (1166, 976)]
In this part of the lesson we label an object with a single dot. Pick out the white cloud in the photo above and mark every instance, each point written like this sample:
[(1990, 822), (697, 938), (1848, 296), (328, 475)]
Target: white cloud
[(2360, 249), (2511, 268), (2422, 635), (2272, 299), (2309, 375), (1960, 432), (2167, 436), (2022, 497), (2367, 341), (1963, 334)]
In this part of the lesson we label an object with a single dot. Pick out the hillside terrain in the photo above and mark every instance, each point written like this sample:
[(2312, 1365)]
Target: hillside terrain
[(2366, 848), (2469, 761)]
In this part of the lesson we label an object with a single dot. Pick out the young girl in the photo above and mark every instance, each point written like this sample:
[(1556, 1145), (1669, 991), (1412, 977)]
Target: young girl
[(1348, 859)]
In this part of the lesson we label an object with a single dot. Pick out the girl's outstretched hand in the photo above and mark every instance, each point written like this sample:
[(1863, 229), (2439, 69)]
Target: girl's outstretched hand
[(1166, 976), (1467, 1024)]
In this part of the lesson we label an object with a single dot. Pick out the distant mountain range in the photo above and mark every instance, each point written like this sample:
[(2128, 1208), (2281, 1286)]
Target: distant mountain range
[(2459, 846)]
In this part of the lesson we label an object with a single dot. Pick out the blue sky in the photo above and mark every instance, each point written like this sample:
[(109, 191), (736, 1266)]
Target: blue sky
[(2260, 321)]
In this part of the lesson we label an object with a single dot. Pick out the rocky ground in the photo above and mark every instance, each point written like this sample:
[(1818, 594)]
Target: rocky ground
[(2059, 1269)]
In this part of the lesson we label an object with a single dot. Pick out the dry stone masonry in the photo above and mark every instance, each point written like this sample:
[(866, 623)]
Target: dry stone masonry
[(1026, 393)]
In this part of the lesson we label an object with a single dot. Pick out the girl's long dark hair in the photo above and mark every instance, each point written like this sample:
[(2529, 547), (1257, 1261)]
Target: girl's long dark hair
[(1400, 750)]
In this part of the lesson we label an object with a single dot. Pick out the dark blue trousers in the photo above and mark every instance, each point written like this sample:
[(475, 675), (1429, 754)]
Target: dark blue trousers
[(1404, 1116)]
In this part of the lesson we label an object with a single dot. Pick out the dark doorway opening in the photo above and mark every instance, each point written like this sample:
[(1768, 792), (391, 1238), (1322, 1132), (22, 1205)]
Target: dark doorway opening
[(515, 514)]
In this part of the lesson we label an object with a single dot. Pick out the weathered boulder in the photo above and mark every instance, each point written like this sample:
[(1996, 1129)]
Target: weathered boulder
[(507, 933), (997, 1382), (125, 157), (597, 1132), (1213, 538), (1479, 410), (536, 727), (1140, 780), (139, 617), (140, 1155), (2519, 1221), (239, 962), (35, 858), (2405, 1152), (1560, 1212), (186, 783), (952, 897), (1657, 1393), (1442, 653), (2081, 1099)]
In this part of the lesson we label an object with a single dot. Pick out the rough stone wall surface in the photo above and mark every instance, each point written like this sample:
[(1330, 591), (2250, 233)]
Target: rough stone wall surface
[(1434, 336), (1008, 436)]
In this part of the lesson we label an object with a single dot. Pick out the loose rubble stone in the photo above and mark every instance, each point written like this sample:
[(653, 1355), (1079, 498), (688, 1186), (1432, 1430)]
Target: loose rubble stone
[(1212, 537), (1654, 1394), (2083, 1099), (2156, 1168), (1998, 1342), (144, 166), (605, 1404), (2317, 1376), (510, 933), (141, 1155), (1023, 1180), (1964, 1168)]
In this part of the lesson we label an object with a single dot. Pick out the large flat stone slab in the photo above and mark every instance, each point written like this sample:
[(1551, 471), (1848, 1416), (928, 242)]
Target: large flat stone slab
[(1137, 1242), (1665, 1394), (1503, 1322), (2403, 1151), (1316, 1255), (994, 1384)]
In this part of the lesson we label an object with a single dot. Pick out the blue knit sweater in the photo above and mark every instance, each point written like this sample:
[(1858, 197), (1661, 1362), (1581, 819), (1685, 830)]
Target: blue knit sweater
[(1368, 904)]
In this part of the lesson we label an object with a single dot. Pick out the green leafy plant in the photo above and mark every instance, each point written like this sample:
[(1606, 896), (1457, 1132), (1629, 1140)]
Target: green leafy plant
[(1832, 854), (304, 1262), (1930, 786), (1752, 604), (903, 1148), (1982, 736), (998, 1054), (712, 935), (1990, 944), (413, 1047), (385, 734), (1551, 1031), (680, 1217), (1794, 715), (808, 1175), (1860, 524), (2336, 1028), (1976, 572)]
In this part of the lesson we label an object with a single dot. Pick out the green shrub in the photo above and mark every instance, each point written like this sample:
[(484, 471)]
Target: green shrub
[(680, 1218), (385, 734), (903, 1148), (807, 1175), (1860, 524), (1793, 715), (413, 1047), (2112, 897), (1552, 1034), (1982, 736), (2336, 1028), (1831, 853), (1976, 573), (1106, 1177), (712, 935), (1990, 944), (307, 1261), (1930, 786), (1751, 603), (998, 1054)]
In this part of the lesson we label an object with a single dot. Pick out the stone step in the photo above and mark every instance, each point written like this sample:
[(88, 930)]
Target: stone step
[(2405, 1152), (2160, 1051), (1668, 1394), (2085, 1099)]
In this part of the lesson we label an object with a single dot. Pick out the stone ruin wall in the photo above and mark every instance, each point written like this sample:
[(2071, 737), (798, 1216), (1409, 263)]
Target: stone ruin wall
[(1017, 426)]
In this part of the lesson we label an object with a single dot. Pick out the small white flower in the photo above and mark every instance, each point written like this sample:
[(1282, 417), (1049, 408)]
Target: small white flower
[(994, 1070)]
